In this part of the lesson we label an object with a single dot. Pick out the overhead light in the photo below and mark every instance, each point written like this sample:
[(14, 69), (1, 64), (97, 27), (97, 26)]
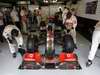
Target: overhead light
[(54, 1), (23, 2), (45, 1)]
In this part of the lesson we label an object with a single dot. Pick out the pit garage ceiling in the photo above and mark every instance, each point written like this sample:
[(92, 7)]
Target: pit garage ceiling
[(14, 1), (11, 1)]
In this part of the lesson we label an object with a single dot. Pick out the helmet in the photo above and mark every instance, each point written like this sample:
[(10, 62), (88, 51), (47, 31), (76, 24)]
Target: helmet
[(15, 32)]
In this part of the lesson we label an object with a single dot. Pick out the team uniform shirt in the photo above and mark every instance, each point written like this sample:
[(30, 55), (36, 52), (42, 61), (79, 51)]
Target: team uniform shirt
[(14, 15), (68, 23), (72, 22), (23, 15), (64, 15)]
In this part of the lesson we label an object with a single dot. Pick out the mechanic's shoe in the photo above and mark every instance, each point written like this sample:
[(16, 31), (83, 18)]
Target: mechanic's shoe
[(88, 63), (14, 55)]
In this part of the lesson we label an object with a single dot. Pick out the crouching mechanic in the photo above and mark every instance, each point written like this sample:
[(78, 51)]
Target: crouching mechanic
[(95, 44), (10, 32)]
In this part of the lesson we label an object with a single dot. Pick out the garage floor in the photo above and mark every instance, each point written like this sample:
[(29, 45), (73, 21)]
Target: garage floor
[(9, 65)]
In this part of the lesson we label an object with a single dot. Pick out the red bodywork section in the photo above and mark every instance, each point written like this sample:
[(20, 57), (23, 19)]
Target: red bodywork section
[(63, 57), (36, 57)]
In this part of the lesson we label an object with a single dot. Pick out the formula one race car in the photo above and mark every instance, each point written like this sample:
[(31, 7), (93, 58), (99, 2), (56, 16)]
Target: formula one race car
[(67, 59)]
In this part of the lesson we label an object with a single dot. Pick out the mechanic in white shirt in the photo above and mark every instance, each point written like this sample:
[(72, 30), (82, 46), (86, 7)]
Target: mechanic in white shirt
[(15, 17), (10, 32), (70, 24), (95, 44)]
